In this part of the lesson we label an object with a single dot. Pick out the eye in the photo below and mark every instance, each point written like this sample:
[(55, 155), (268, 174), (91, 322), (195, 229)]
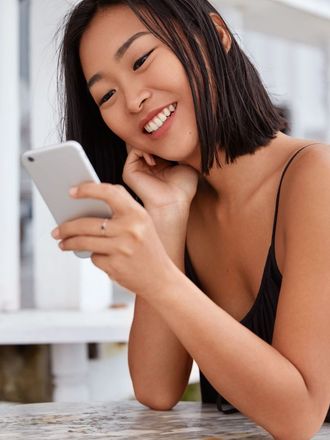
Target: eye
[(136, 66), (142, 60), (106, 97)]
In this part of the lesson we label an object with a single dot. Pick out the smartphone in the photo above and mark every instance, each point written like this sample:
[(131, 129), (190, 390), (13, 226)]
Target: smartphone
[(54, 170)]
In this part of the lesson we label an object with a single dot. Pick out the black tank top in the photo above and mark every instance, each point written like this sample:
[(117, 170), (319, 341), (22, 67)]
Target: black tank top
[(260, 319)]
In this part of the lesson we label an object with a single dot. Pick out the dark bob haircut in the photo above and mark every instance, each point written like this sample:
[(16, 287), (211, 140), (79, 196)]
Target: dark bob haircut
[(239, 120)]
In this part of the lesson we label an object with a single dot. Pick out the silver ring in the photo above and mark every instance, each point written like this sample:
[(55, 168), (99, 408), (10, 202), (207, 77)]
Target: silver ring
[(104, 226)]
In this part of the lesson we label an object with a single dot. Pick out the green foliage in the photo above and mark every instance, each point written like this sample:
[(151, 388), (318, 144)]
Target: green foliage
[(192, 393)]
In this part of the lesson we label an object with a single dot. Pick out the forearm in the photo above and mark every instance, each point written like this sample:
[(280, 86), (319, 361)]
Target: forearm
[(247, 371), (159, 364), (171, 226)]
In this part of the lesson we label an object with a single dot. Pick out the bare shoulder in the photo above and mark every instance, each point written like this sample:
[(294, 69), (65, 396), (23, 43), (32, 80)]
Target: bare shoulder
[(310, 159), (306, 182)]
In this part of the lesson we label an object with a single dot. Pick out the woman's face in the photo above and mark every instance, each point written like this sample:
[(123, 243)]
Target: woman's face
[(133, 86)]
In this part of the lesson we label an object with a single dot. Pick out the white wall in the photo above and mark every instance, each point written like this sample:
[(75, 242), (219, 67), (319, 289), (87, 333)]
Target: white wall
[(294, 73), (9, 153)]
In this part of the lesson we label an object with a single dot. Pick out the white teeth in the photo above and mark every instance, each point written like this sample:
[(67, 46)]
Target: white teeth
[(159, 120), (153, 126)]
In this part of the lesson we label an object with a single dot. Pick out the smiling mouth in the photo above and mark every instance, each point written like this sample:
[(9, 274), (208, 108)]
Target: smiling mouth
[(160, 120)]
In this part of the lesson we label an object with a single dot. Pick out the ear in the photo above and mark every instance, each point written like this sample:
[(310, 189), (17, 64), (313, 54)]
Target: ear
[(222, 31)]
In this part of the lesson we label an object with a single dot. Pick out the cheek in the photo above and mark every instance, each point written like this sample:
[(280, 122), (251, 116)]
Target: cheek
[(170, 75), (177, 80), (114, 121)]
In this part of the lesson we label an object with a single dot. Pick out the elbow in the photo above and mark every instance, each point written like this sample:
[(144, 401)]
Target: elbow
[(302, 429), (297, 434), (301, 420), (158, 401)]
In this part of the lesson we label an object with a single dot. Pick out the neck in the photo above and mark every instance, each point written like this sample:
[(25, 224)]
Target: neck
[(234, 183)]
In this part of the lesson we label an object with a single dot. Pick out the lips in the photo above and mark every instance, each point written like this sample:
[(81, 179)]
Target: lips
[(152, 114)]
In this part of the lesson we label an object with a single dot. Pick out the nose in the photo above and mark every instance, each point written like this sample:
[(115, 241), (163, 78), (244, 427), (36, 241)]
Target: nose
[(135, 101)]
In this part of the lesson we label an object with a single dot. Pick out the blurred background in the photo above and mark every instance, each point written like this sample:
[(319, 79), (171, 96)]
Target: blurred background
[(63, 324)]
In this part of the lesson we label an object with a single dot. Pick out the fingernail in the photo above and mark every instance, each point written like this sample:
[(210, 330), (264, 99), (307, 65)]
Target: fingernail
[(73, 191), (56, 233)]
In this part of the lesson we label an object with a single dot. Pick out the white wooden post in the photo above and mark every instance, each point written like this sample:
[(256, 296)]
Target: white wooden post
[(61, 279), (9, 149), (70, 372)]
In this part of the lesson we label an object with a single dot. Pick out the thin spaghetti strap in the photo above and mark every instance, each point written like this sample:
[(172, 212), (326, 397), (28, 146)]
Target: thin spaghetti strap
[(279, 187)]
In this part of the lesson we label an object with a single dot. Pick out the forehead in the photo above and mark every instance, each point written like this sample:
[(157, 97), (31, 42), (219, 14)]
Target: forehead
[(107, 31)]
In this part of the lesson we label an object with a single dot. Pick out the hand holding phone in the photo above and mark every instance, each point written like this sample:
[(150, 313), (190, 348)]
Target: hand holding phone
[(57, 168)]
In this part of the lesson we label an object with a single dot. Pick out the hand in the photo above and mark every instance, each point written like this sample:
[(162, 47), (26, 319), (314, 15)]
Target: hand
[(159, 183), (129, 249)]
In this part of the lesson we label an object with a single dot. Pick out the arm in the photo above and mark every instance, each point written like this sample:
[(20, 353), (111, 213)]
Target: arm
[(159, 364), (284, 387)]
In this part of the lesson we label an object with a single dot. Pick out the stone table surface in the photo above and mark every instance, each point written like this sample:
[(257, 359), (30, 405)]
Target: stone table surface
[(127, 420)]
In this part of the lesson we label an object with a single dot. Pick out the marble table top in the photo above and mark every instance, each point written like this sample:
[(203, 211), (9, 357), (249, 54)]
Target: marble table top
[(127, 420)]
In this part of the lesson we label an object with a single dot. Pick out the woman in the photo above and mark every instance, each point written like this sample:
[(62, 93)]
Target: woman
[(167, 105)]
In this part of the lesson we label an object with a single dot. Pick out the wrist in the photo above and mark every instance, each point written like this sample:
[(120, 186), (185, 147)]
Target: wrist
[(171, 228), (174, 213), (170, 275)]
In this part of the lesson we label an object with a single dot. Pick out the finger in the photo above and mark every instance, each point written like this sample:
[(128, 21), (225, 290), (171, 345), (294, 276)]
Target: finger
[(102, 262), (99, 245), (116, 196), (87, 226), (135, 155), (149, 159)]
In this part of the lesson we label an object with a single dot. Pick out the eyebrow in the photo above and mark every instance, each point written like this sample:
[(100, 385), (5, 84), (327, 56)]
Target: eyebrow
[(118, 56)]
